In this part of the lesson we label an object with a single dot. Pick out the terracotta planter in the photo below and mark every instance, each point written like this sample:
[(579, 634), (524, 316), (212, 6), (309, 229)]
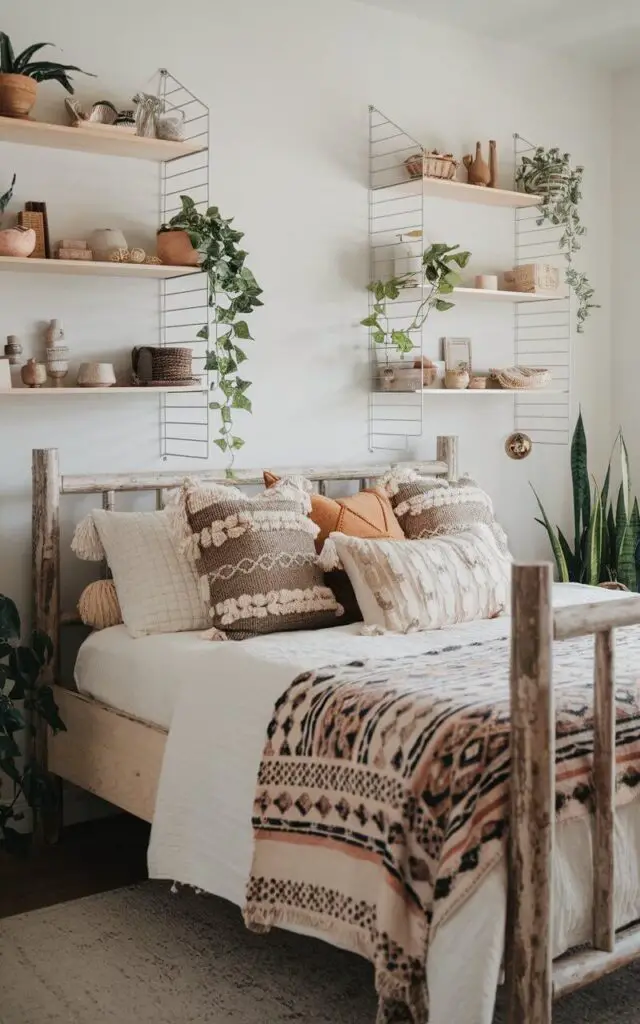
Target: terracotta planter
[(17, 242), (175, 249), (17, 95)]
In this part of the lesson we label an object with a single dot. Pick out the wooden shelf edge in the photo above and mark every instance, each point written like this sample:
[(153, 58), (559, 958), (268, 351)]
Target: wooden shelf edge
[(94, 268), (116, 390)]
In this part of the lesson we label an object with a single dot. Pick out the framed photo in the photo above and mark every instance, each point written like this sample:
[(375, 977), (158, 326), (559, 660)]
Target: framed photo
[(456, 353)]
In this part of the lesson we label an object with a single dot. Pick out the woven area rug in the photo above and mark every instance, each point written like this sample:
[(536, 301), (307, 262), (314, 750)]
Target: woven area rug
[(142, 956)]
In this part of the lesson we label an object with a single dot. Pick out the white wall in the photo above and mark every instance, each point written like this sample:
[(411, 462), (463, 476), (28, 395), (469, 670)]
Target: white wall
[(289, 82)]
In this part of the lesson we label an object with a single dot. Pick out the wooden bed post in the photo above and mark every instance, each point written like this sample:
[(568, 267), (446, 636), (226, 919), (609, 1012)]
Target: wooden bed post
[(46, 598), (532, 814), (604, 771), (447, 451)]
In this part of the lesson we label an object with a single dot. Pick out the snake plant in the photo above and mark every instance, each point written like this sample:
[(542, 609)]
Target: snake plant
[(5, 198), (40, 70), (606, 532)]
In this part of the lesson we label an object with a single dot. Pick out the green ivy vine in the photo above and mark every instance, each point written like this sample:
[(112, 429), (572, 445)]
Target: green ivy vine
[(233, 294)]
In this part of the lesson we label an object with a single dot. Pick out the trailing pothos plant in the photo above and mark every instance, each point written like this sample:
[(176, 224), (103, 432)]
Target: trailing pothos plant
[(233, 294), (21, 669), (606, 532), (550, 174), (441, 264)]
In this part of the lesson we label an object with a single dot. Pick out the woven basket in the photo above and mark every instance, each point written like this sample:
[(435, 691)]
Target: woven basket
[(456, 380), (477, 383), (523, 378), (435, 165)]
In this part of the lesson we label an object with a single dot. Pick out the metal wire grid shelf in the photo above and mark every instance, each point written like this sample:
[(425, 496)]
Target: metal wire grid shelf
[(184, 301), (542, 328)]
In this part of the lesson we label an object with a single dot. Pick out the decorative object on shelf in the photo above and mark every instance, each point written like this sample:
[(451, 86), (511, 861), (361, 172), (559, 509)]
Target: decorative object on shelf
[(20, 74), (431, 165), (486, 282), (96, 375), (57, 353), (162, 366), (439, 263), (429, 371), (171, 126), (175, 248), (33, 374), (493, 163), (532, 277), (17, 242), (104, 241), (478, 172), (405, 377), (478, 382), (128, 256), (406, 262), (103, 112), (387, 377), (13, 350), (34, 220), (524, 378), (549, 174), (42, 209), (223, 261), (456, 379), (5, 374), (80, 253), (518, 445), (606, 531), (148, 108), (457, 353), (126, 119)]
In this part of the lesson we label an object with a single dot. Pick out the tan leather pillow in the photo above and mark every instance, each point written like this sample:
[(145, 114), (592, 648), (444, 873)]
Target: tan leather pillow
[(366, 514)]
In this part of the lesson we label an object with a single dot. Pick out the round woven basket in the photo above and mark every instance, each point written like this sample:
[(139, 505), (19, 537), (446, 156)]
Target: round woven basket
[(435, 165), (171, 363), (521, 378)]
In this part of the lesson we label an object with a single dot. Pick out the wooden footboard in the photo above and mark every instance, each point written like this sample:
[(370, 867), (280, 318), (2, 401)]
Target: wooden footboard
[(107, 753), (532, 980)]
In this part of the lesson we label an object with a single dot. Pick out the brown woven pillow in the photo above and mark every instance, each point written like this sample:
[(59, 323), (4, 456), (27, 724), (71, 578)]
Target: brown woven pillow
[(256, 560)]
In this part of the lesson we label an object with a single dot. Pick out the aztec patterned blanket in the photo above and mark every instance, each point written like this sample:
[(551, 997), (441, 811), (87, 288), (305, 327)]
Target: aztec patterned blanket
[(382, 796)]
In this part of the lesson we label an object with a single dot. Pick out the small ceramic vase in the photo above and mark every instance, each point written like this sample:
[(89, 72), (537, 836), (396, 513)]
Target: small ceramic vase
[(456, 380), (103, 112), (493, 163), (96, 375), (13, 350), (477, 169), (33, 374), (104, 241), (17, 242), (175, 249)]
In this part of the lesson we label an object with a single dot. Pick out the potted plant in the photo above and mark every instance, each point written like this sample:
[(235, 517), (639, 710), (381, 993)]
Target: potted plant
[(16, 241), (19, 77), (441, 264), (549, 174), (214, 245), (21, 668), (606, 534)]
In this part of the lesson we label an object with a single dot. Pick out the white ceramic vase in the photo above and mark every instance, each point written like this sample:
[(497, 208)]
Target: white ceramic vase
[(96, 375), (104, 241)]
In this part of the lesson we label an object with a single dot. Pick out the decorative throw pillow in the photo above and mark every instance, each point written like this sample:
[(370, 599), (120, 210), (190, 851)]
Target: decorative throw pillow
[(256, 560), (157, 585), (430, 506), (427, 584)]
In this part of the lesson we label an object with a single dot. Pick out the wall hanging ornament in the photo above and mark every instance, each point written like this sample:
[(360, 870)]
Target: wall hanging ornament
[(518, 445)]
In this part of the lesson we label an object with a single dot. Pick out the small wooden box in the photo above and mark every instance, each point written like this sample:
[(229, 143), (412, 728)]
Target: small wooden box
[(73, 243), (74, 254), (532, 277)]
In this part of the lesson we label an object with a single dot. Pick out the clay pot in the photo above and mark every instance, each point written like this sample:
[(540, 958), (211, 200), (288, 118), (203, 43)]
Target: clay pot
[(96, 375), (33, 374), (17, 241), (456, 380), (175, 249), (478, 170), (17, 95)]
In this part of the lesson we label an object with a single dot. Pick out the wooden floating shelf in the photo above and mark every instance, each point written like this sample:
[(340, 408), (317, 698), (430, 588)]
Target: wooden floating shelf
[(94, 268), (46, 392), (487, 295), (440, 188), (489, 391), (104, 140)]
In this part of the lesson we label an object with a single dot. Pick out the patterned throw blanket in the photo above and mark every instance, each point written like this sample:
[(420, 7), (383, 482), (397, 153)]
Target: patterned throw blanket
[(382, 796)]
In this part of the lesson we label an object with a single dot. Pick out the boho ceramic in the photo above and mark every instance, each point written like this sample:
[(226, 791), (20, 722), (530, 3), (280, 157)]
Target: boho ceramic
[(17, 242), (175, 249), (493, 163), (96, 375), (103, 112), (57, 353), (477, 169), (456, 379), (13, 350), (104, 241), (33, 374), (17, 95)]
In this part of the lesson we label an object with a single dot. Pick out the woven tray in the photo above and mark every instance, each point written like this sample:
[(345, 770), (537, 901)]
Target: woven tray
[(521, 378)]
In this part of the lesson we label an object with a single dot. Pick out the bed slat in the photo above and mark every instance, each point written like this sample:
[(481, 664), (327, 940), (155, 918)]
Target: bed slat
[(604, 767)]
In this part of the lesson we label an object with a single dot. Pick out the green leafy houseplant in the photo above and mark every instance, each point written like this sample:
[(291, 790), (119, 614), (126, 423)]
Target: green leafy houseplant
[(231, 282), (549, 174), (5, 198), (39, 70), (606, 533), (441, 264), (20, 672)]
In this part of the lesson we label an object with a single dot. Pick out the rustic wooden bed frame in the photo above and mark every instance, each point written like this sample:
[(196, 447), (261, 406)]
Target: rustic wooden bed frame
[(118, 757)]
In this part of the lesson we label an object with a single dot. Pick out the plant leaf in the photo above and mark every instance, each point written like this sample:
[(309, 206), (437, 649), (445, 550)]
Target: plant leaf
[(561, 564), (594, 541), (580, 479)]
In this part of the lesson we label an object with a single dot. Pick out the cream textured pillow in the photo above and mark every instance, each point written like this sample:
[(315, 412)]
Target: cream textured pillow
[(405, 586), (157, 585)]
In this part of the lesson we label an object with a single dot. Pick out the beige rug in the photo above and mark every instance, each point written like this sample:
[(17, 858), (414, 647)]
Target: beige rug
[(142, 956)]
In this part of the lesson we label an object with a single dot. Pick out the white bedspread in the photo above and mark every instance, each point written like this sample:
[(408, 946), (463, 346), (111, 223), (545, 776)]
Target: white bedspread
[(202, 827)]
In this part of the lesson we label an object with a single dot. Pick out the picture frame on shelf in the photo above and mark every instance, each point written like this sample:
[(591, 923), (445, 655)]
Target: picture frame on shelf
[(456, 353)]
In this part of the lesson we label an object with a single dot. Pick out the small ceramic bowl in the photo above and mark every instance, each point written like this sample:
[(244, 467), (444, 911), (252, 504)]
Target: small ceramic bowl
[(96, 375)]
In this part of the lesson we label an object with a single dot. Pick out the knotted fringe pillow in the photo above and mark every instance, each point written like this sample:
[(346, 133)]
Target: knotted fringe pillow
[(256, 560), (426, 584), (98, 605), (431, 507)]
